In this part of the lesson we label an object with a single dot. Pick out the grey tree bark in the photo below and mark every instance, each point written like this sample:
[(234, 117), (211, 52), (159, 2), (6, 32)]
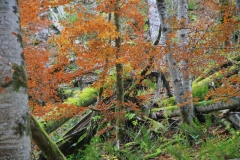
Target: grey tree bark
[(237, 4), (14, 111), (181, 81), (153, 20), (184, 65)]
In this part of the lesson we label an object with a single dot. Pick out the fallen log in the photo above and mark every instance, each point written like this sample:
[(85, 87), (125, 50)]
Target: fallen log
[(86, 98), (43, 141), (207, 107), (232, 103)]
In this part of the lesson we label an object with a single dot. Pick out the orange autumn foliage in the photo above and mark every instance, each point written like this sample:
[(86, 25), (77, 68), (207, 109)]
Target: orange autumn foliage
[(90, 41), (47, 66)]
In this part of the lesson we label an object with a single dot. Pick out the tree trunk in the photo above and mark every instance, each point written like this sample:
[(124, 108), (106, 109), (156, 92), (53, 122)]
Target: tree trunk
[(119, 77), (180, 81), (14, 119), (153, 20), (230, 104), (43, 141), (237, 4), (184, 65)]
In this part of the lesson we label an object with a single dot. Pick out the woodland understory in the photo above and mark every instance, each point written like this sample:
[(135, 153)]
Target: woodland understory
[(135, 79)]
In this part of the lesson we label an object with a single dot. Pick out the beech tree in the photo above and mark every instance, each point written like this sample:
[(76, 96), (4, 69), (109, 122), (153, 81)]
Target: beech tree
[(180, 76), (14, 119)]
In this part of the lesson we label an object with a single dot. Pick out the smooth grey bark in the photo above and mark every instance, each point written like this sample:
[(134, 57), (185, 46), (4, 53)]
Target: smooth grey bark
[(14, 111), (180, 82), (153, 20), (184, 64), (235, 119)]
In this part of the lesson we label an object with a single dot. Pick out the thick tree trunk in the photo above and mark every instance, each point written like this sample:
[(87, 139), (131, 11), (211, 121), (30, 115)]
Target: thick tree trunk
[(237, 4), (14, 119)]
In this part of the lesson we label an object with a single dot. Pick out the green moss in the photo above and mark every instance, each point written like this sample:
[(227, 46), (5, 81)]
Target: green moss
[(197, 80), (67, 92), (168, 102), (167, 110), (199, 90), (200, 85), (84, 97), (72, 18), (44, 142), (203, 103), (19, 78), (74, 101)]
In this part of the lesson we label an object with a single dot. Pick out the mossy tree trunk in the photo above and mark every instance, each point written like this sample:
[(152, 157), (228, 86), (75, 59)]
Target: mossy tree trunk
[(43, 141), (86, 98)]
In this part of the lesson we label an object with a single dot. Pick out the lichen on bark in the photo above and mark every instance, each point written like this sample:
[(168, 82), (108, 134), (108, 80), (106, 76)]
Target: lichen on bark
[(19, 78)]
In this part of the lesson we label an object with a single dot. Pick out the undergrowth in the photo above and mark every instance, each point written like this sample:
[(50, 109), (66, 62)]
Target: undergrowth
[(208, 143)]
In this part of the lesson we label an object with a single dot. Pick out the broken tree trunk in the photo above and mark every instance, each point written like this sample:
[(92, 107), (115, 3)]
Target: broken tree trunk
[(75, 137)]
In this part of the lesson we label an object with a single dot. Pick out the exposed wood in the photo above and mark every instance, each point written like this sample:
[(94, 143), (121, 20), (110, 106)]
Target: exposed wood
[(70, 140)]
